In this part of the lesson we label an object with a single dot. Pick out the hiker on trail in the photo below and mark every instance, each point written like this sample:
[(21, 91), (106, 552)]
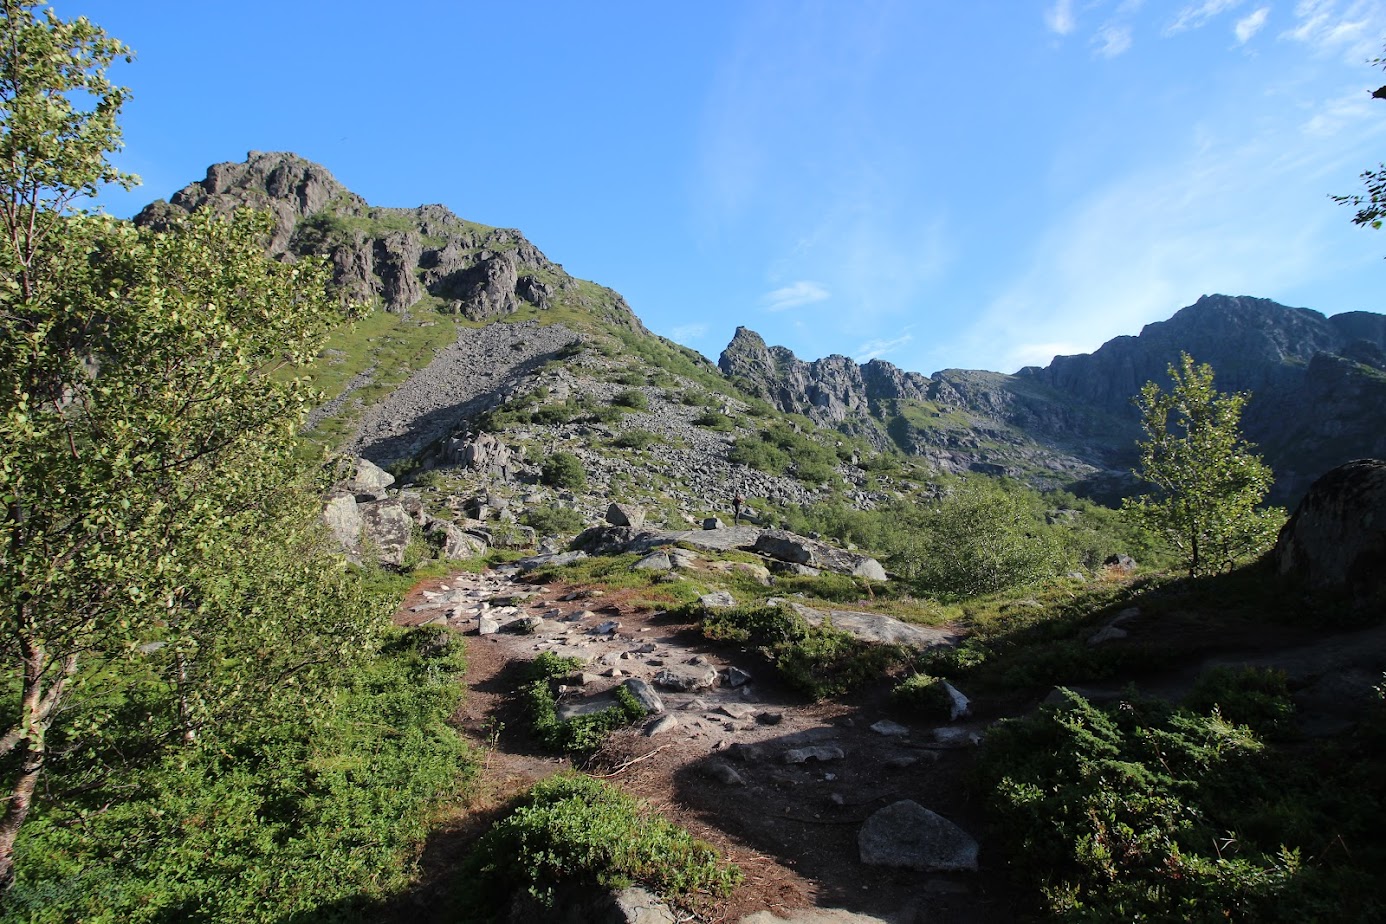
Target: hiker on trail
[(738, 502)]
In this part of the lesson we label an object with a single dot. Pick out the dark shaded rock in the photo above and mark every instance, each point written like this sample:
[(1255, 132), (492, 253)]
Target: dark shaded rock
[(604, 540), (625, 515), (905, 834), (795, 549), (1337, 535)]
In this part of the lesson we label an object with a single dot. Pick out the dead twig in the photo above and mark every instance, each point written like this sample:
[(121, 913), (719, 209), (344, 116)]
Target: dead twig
[(632, 762)]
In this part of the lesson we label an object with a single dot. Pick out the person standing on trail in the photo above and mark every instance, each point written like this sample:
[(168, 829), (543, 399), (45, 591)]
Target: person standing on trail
[(737, 503)]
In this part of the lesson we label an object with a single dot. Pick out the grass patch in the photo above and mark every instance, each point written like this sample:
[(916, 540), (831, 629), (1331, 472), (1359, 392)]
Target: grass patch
[(578, 831), (580, 734)]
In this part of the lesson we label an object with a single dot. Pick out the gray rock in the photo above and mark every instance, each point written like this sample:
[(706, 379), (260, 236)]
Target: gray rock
[(873, 627), (821, 753), (736, 677), (543, 561), (1122, 563), (958, 704), (721, 772), (794, 569), (683, 559), (625, 515), (453, 543), (638, 905), (387, 528), (1106, 634), (645, 695), (736, 710), (660, 725), (369, 481), (789, 547), (717, 600), (525, 625), (889, 729), (1337, 535), (655, 561), (486, 625), (686, 679), (343, 519), (712, 523), (905, 834)]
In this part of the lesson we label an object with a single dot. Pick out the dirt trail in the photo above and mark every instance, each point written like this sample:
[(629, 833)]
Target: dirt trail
[(725, 769)]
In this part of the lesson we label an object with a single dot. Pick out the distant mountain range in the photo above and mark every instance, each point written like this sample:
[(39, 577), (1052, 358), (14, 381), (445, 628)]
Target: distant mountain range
[(1318, 383)]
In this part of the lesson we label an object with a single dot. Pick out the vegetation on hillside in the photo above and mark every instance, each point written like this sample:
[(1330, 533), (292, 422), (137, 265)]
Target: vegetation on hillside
[(203, 711)]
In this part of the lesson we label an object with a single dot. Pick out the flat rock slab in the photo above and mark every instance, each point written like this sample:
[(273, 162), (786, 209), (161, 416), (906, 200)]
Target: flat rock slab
[(907, 835), (814, 916), (711, 540), (873, 627), (588, 706), (686, 679)]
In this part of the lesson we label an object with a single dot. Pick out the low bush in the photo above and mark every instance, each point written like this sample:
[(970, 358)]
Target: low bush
[(715, 420), (819, 661), (575, 830), (563, 470), (1140, 811), (924, 696), (637, 439), (632, 399), (548, 520), (581, 734)]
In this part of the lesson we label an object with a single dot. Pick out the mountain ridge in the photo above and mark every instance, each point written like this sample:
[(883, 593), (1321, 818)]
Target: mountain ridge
[(1318, 382)]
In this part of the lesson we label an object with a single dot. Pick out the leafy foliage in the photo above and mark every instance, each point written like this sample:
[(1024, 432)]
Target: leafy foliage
[(1145, 812), (1209, 481), (581, 733), (563, 470), (578, 830), (549, 520)]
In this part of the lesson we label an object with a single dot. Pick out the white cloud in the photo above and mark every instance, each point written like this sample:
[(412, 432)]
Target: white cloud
[(1112, 41), (794, 296), (1336, 114), (1235, 212), (1354, 32), (685, 332), (1249, 25), (877, 347), (1059, 17), (1196, 15)]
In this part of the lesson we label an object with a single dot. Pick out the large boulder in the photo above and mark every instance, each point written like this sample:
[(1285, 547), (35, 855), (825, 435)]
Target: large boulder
[(453, 542), (343, 519), (625, 515), (905, 834), (1337, 536), (369, 481), (387, 529), (789, 547)]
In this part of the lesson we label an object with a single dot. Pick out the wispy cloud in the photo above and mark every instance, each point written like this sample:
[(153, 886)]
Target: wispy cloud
[(794, 296), (1250, 24), (871, 349), (1353, 31), (1111, 41), (1059, 17), (685, 332), (1196, 15), (1232, 215)]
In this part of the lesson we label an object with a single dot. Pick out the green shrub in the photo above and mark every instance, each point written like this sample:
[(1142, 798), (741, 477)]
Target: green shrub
[(1140, 811), (925, 696), (635, 400), (814, 472), (563, 470), (578, 830), (548, 520), (637, 439), (580, 734), (715, 420), (820, 661), (1256, 697), (758, 454)]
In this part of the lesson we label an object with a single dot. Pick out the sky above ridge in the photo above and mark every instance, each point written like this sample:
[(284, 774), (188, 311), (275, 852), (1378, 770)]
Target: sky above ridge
[(978, 184)]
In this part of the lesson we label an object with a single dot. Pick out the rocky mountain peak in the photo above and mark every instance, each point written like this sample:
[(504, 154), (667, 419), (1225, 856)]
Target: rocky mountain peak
[(397, 257)]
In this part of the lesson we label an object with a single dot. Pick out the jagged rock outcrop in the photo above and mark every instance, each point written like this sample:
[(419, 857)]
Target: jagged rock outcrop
[(1337, 536), (395, 255), (1318, 391)]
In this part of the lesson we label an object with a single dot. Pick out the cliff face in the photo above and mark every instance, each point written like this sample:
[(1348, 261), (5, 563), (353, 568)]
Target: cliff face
[(1318, 389), (394, 256)]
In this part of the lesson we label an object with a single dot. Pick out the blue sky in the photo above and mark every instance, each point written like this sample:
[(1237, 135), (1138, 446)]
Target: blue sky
[(976, 184)]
